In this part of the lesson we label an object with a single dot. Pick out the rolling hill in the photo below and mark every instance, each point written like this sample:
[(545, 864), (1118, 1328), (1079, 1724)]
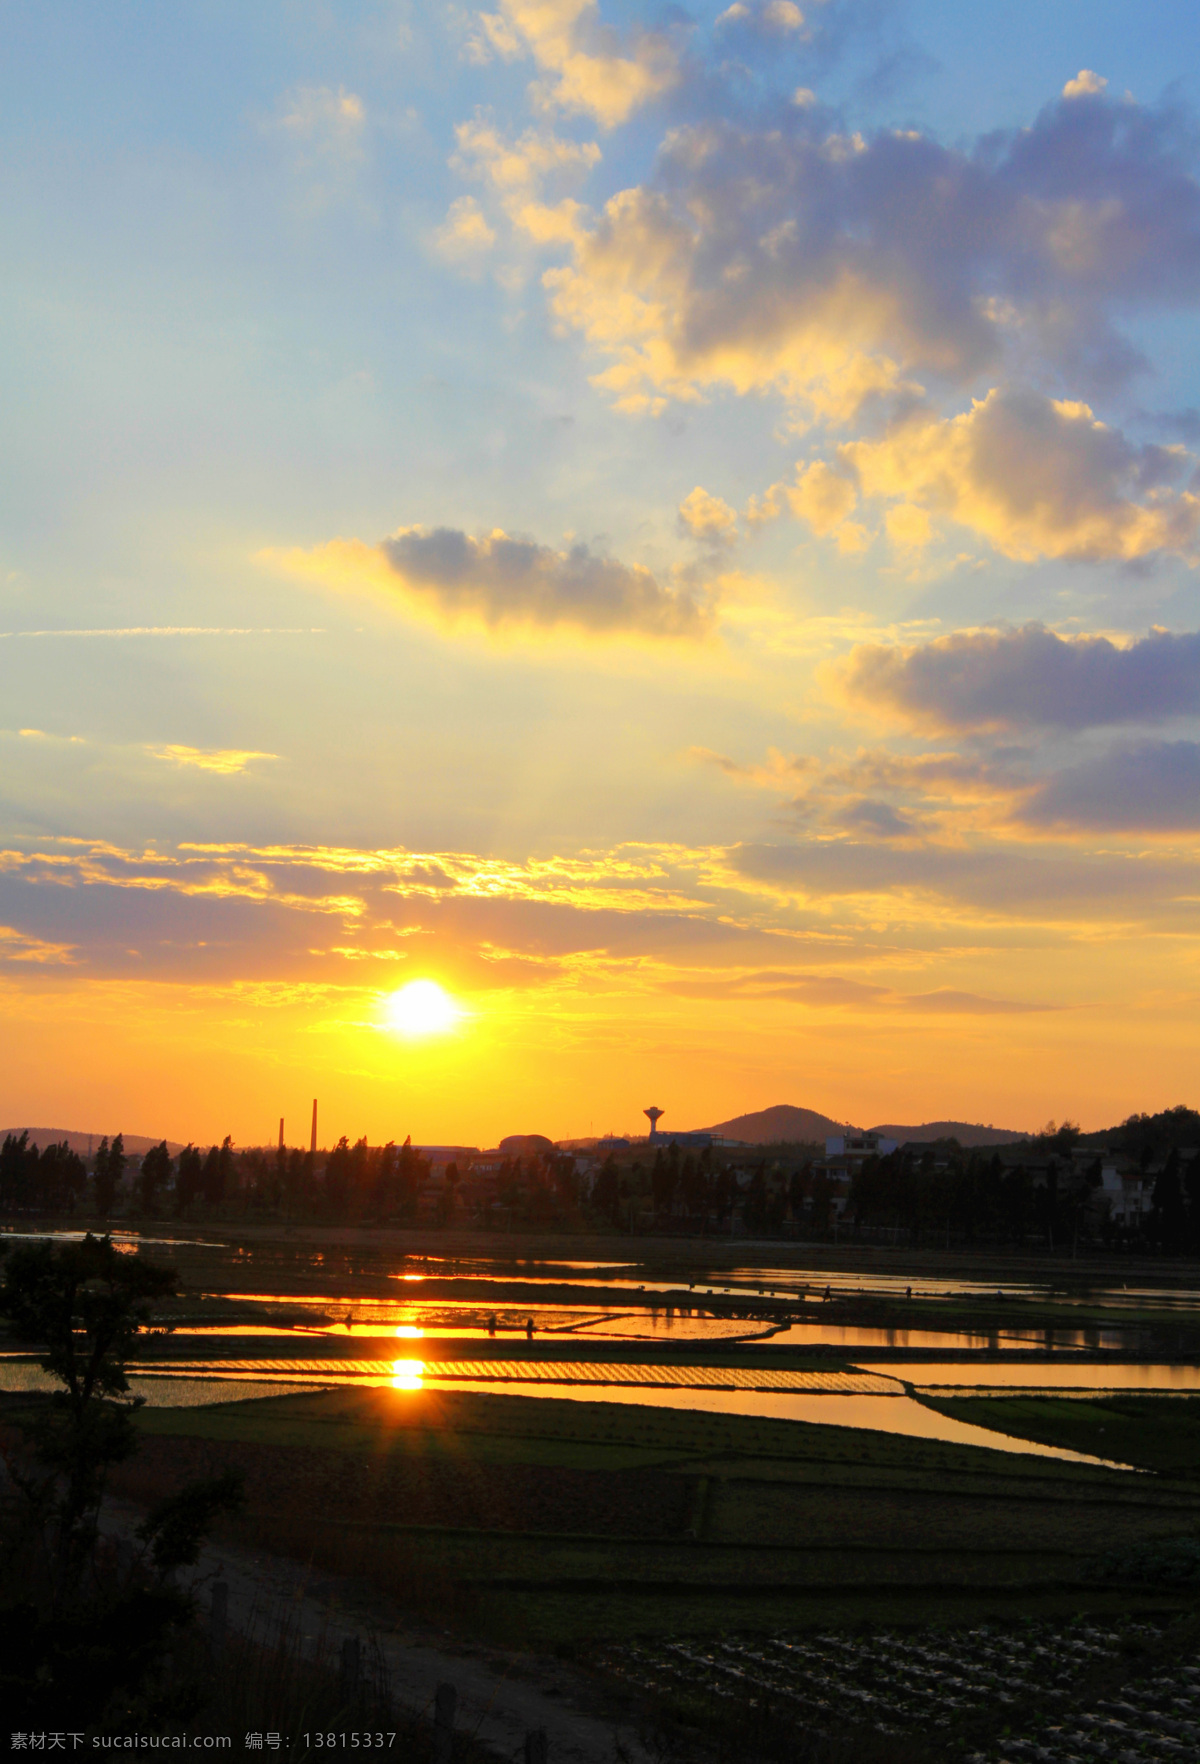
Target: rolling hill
[(784, 1123), (135, 1143)]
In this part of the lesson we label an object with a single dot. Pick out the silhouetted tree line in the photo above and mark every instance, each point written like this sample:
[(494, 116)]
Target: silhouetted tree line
[(57, 1179), (1046, 1190), (54, 1178), (976, 1195), (677, 1185), (381, 1181), (1147, 1138)]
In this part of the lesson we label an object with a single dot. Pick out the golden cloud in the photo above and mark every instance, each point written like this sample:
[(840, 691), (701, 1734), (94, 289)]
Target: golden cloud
[(498, 582), (588, 67), (1034, 476)]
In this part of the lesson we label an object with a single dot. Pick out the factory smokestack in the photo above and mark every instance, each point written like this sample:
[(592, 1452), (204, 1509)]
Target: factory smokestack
[(313, 1147), (281, 1132)]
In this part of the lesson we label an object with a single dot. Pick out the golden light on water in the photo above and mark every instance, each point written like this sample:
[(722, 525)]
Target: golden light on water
[(409, 1331), (421, 1008), (407, 1374)]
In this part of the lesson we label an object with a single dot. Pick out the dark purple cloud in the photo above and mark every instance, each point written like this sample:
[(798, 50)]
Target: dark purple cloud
[(1030, 678), (759, 253), (504, 580), (1150, 787)]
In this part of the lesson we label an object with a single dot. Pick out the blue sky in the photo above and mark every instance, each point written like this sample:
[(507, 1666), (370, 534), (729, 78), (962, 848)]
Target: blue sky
[(732, 387)]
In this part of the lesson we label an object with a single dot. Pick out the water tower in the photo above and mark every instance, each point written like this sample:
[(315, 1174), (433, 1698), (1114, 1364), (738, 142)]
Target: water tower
[(653, 1117)]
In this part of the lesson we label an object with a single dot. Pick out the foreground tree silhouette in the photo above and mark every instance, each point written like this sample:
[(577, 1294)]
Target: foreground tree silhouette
[(85, 1638)]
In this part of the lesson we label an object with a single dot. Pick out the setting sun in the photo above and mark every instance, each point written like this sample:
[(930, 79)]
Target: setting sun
[(421, 1008)]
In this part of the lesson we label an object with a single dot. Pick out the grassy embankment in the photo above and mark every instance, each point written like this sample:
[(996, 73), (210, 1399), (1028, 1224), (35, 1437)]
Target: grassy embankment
[(556, 1521), (1158, 1433)]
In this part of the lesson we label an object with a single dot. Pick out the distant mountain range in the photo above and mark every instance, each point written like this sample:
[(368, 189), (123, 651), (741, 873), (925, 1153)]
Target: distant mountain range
[(135, 1143), (785, 1123)]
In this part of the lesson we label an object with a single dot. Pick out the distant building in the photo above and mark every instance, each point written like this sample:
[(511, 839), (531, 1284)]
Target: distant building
[(858, 1145), (526, 1145)]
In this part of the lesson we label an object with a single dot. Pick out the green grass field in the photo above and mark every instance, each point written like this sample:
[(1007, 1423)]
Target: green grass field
[(1154, 1433), (567, 1522)]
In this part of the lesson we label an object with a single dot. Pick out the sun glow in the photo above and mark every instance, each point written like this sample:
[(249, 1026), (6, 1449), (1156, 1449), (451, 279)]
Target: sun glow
[(407, 1374), (421, 1008)]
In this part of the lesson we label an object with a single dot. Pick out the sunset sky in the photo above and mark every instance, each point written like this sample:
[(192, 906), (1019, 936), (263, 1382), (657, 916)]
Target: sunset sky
[(679, 525)]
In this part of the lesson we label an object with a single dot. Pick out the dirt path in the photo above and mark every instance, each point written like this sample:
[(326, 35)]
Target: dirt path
[(502, 1695)]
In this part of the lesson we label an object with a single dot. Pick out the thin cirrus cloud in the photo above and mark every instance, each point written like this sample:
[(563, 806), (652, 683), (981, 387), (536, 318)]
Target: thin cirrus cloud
[(1029, 678), (225, 761), (498, 582), (999, 882), (833, 268)]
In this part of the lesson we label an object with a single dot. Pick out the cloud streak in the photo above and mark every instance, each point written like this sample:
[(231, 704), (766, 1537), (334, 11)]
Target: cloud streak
[(1026, 679)]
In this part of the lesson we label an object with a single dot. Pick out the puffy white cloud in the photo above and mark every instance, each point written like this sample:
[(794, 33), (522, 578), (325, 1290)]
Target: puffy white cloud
[(834, 269), (520, 172), (589, 69), (464, 236), (773, 18), (500, 580), (708, 518), (1035, 476), (519, 168), (1028, 679), (1086, 84)]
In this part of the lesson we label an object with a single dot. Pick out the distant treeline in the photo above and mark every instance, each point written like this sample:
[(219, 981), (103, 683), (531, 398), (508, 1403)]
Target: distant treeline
[(56, 1179), (1048, 1189)]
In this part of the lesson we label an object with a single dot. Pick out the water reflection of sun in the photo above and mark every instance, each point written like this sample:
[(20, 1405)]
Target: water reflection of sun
[(407, 1374)]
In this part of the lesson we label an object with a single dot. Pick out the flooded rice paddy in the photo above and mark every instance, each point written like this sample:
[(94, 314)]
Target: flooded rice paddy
[(262, 1316)]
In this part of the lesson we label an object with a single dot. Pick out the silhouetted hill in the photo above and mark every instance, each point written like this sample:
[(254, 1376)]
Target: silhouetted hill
[(966, 1133), (1150, 1136), (135, 1143), (785, 1123), (782, 1123)]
